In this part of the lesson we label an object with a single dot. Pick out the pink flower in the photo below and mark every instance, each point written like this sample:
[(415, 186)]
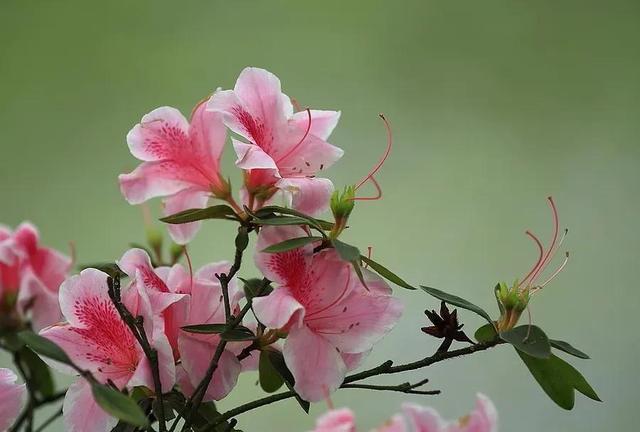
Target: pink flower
[(181, 161), (185, 300), (483, 418), (12, 397), (285, 150), (97, 340), (30, 276), (331, 318)]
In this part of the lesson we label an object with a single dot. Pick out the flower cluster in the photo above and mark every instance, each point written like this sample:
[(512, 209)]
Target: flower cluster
[(152, 341), (416, 418)]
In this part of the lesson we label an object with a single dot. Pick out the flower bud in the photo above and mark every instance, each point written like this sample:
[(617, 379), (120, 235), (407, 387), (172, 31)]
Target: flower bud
[(512, 302), (341, 206)]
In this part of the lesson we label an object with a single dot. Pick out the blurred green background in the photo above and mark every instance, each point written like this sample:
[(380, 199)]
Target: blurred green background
[(494, 105)]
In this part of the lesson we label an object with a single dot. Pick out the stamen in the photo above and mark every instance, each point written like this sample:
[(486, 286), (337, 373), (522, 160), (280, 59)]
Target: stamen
[(295, 104), (541, 252), (73, 252), (333, 303), (557, 272), (295, 147), (373, 198), (186, 254), (546, 258), (327, 397), (384, 156)]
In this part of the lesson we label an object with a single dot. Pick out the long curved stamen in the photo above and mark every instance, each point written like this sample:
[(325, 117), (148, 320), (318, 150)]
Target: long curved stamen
[(557, 272), (535, 267), (373, 198), (186, 254), (375, 169), (295, 147), (333, 303), (556, 226)]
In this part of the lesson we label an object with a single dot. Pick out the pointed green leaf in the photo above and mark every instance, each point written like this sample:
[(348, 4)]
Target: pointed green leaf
[(270, 379), (386, 273), (281, 221), (457, 301), (277, 360), (316, 223), (290, 244), (221, 211), (118, 405), (44, 347), (237, 334), (529, 339), (205, 328), (256, 288), (558, 379), (566, 347), (38, 372), (486, 333)]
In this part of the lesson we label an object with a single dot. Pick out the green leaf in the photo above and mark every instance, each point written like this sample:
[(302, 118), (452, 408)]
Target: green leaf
[(566, 347), (44, 347), (290, 244), (277, 360), (38, 372), (281, 220), (242, 239), (237, 334), (205, 328), (168, 409), (256, 288), (386, 273), (529, 339), (558, 379), (221, 211), (486, 333), (316, 223), (111, 269), (350, 254), (270, 378), (457, 301), (118, 405)]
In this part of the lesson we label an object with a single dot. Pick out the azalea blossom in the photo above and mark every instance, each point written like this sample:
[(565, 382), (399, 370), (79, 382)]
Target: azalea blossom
[(12, 397), (30, 275), (184, 299), (97, 340), (181, 161), (332, 320), (416, 418), (284, 151)]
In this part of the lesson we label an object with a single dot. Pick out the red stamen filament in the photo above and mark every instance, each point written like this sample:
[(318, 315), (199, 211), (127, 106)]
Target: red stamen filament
[(547, 255), (556, 273), (373, 198), (186, 254), (375, 169), (541, 252), (333, 303), (295, 147)]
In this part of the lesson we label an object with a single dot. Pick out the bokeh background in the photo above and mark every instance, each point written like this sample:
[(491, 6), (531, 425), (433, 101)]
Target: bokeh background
[(494, 106)]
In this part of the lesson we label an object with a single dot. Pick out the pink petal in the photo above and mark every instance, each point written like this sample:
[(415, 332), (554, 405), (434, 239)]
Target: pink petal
[(394, 424), (308, 195), (12, 397), (300, 157), (51, 267), (484, 418), (354, 360), (166, 366), (286, 268), (255, 109), (317, 367), (359, 320), (322, 122), (337, 420), (423, 419), (159, 135), (35, 300), (81, 412), (154, 179), (196, 353), (208, 273), (184, 200), (95, 338), (208, 136), (250, 156), (279, 309)]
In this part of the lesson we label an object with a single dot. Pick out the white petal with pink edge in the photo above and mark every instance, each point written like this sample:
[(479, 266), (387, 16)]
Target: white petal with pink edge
[(81, 413)]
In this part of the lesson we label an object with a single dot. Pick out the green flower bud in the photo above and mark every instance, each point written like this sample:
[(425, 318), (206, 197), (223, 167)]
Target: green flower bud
[(342, 205), (512, 302)]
